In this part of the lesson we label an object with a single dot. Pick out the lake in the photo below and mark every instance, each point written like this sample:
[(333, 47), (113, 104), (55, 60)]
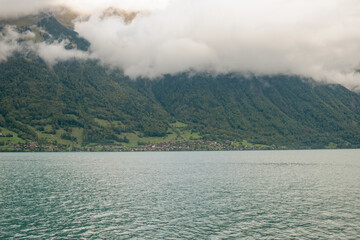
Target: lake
[(181, 195)]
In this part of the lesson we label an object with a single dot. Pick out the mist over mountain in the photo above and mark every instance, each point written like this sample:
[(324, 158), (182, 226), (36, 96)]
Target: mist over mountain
[(82, 104), (317, 39), (172, 73)]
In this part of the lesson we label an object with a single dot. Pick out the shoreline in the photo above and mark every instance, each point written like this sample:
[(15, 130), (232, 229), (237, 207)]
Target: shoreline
[(185, 146)]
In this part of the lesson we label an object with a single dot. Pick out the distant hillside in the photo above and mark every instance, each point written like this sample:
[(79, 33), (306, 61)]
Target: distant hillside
[(279, 110), (80, 105)]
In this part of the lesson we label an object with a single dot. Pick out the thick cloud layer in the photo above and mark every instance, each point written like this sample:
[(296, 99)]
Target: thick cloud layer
[(319, 38), (16, 8)]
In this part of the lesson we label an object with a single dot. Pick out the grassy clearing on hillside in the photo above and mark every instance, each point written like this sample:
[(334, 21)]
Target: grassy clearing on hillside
[(101, 122), (174, 135), (9, 140), (78, 133), (178, 125)]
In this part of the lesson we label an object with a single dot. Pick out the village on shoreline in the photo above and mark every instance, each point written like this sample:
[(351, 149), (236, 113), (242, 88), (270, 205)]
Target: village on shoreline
[(199, 145)]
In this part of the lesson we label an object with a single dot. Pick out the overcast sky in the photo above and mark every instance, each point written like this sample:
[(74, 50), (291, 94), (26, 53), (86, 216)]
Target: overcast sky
[(318, 38)]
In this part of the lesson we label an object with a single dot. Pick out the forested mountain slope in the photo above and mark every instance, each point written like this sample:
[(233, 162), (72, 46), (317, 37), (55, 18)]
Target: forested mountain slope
[(82, 103), (279, 109)]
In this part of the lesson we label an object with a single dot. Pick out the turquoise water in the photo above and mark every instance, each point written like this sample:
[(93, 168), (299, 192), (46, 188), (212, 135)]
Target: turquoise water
[(181, 195)]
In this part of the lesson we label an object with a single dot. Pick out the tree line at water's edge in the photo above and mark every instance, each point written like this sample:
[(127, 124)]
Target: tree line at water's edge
[(80, 105)]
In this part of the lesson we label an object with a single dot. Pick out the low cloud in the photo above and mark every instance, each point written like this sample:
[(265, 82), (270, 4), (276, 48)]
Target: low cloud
[(8, 43), (12, 41), (56, 52), (318, 39), (17, 8)]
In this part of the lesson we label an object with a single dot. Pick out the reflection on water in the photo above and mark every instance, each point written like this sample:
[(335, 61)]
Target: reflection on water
[(185, 195)]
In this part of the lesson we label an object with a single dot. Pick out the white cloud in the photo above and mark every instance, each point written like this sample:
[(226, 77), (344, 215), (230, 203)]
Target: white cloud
[(9, 41), (56, 52), (16, 8), (49, 52), (6, 50), (319, 38), (90, 6)]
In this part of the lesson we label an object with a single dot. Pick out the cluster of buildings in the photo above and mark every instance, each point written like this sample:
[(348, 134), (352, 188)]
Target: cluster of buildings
[(198, 145), (36, 147)]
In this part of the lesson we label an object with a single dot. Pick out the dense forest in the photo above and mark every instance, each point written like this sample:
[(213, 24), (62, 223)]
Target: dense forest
[(81, 103)]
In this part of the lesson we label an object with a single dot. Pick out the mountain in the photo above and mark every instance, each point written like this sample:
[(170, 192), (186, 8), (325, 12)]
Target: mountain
[(283, 110), (55, 31), (82, 105)]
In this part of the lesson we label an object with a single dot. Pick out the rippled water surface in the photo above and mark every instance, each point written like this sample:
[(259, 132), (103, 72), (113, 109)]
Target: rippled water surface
[(181, 195)]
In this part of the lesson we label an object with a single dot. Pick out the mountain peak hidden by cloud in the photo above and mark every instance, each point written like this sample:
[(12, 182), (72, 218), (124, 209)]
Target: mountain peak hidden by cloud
[(317, 39)]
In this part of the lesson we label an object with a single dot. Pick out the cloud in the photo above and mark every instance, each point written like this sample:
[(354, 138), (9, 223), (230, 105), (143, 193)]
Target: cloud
[(91, 6), (6, 50), (12, 41), (56, 52), (17, 8), (318, 38), (9, 41), (8, 45)]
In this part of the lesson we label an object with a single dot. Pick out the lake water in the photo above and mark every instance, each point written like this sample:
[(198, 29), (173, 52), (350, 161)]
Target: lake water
[(181, 195)]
